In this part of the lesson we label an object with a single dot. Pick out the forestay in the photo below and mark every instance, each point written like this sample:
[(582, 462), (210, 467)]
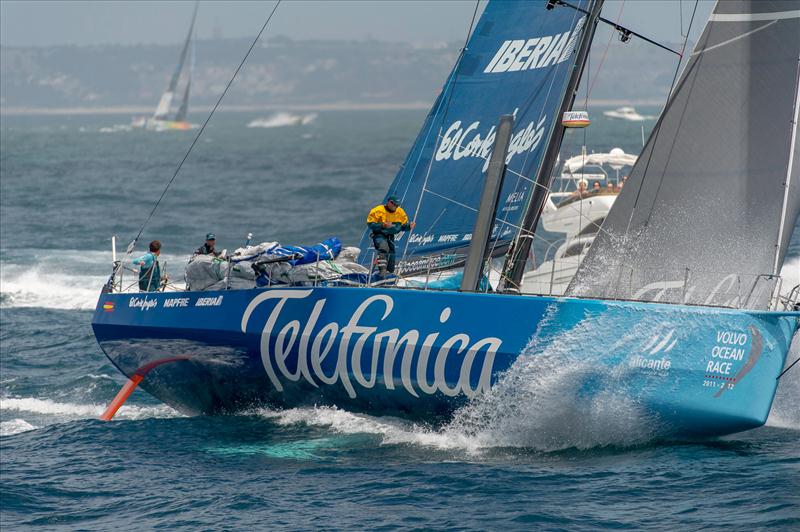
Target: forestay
[(715, 194), (517, 61)]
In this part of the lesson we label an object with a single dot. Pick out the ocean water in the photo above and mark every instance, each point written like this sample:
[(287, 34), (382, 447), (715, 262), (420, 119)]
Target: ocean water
[(68, 183)]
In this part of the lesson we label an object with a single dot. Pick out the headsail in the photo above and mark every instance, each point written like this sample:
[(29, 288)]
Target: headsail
[(517, 61), (166, 99), (715, 194)]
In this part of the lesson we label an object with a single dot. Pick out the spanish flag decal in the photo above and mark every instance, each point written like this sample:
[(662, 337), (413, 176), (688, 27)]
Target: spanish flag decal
[(108, 306)]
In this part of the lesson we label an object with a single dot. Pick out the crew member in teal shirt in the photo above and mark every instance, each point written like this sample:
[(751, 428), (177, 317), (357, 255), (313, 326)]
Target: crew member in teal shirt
[(149, 269)]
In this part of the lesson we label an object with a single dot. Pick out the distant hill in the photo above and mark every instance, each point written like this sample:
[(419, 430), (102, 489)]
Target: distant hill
[(282, 71)]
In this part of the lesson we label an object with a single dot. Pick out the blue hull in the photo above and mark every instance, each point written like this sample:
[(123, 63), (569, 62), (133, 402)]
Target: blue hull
[(422, 355)]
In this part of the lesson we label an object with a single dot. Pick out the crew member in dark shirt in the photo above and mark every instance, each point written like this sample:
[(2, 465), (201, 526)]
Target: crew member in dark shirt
[(208, 247)]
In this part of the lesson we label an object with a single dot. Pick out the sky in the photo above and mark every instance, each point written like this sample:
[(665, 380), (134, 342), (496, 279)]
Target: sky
[(80, 22)]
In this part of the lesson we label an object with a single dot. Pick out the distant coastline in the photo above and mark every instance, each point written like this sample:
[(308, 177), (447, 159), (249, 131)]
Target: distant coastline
[(339, 106)]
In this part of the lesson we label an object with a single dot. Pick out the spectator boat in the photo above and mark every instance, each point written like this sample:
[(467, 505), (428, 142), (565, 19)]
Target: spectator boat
[(577, 214), (627, 113)]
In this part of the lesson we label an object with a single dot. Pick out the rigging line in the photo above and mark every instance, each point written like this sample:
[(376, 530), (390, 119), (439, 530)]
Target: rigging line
[(657, 130), (451, 81), (624, 31), (203, 127), (526, 104), (550, 85), (788, 368), (504, 220), (443, 105), (603, 57), (683, 113)]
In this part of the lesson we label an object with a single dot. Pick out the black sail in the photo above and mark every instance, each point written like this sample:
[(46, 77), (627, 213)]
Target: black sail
[(713, 199)]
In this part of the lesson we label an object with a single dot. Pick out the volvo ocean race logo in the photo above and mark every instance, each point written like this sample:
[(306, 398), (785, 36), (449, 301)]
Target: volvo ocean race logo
[(359, 343)]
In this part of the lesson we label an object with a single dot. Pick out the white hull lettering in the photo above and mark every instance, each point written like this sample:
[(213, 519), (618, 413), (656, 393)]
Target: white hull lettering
[(360, 343)]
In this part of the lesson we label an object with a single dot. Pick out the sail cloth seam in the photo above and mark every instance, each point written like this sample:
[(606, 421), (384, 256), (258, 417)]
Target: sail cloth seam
[(734, 39), (132, 245), (752, 17), (787, 183)]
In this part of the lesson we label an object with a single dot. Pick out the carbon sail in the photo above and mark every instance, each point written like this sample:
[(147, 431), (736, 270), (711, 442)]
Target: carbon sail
[(517, 61), (183, 110), (713, 198), (166, 99)]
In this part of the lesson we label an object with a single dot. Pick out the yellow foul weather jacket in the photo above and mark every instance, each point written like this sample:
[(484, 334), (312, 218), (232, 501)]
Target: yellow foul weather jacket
[(378, 215)]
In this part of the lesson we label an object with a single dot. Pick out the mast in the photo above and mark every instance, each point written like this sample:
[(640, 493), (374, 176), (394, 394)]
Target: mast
[(779, 252), (514, 267)]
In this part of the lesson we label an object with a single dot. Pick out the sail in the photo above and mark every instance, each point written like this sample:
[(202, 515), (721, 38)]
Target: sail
[(517, 61), (183, 110), (713, 198), (166, 99)]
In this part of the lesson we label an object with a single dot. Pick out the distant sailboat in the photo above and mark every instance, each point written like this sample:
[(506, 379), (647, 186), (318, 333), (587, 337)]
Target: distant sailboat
[(161, 121)]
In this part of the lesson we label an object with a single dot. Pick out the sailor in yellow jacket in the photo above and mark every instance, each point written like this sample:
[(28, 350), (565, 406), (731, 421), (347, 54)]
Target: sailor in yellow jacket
[(385, 221)]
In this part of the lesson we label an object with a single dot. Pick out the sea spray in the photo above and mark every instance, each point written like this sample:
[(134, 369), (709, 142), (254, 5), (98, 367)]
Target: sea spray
[(564, 391), (785, 411)]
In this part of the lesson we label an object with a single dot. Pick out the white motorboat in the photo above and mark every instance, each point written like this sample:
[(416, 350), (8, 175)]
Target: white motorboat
[(627, 113), (587, 188)]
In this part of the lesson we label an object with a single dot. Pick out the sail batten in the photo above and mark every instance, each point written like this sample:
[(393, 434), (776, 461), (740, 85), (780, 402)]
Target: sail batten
[(517, 61), (698, 218)]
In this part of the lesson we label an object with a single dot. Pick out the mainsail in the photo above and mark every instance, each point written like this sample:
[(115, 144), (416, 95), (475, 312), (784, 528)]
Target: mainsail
[(713, 198), (517, 61), (183, 110), (162, 111)]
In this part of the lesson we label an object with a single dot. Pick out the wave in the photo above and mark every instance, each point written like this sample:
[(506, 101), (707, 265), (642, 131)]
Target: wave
[(116, 128), (15, 426), (283, 119), (392, 431), (37, 288), (35, 413), (60, 279)]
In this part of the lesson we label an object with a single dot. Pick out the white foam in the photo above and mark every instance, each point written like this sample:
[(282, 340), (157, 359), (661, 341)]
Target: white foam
[(283, 119), (46, 289), (790, 273), (392, 431), (59, 279), (785, 412), (73, 411), (15, 426)]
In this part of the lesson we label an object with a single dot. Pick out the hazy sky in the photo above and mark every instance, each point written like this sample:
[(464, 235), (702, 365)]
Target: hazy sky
[(46, 22)]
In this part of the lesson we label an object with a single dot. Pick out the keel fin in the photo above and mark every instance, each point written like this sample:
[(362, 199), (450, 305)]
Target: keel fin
[(133, 382), (122, 396)]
